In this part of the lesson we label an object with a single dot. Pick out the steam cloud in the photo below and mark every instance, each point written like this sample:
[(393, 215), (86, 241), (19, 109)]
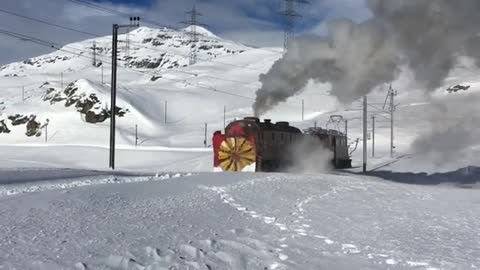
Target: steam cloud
[(310, 156), (454, 134), (426, 35)]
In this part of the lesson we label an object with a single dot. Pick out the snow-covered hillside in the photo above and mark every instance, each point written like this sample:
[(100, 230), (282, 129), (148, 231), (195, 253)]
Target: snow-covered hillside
[(170, 102), (153, 76), (233, 221)]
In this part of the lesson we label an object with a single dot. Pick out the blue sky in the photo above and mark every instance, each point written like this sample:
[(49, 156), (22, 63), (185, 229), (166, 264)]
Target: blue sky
[(254, 22)]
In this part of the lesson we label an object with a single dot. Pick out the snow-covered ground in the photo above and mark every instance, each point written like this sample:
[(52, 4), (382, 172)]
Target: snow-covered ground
[(163, 209), (236, 221)]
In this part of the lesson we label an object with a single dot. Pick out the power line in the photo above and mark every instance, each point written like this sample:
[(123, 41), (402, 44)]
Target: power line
[(56, 46), (193, 23), (52, 45), (94, 35), (49, 23), (132, 42), (290, 16)]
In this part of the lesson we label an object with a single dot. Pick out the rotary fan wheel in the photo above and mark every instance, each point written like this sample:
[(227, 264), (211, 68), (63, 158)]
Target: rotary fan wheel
[(235, 154)]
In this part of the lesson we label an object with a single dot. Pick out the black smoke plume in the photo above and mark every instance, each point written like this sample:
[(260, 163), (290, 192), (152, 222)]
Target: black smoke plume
[(428, 36)]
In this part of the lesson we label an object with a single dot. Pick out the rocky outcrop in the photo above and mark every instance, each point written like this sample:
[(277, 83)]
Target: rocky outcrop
[(33, 127), (155, 77), (53, 96), (18, 119), (88, 105), (3, 127)]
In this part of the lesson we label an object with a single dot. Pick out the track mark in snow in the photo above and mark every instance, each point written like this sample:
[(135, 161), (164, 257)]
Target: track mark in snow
[(391, 261), (350, 249), (412, 263), (329, 242), (269, 220), (282, 256), (81, 266), (39, 187)]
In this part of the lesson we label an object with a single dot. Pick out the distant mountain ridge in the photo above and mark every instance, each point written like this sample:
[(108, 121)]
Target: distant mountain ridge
[(142, 48)]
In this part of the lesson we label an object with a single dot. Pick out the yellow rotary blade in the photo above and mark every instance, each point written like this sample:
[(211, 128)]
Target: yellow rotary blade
[(235, 154)]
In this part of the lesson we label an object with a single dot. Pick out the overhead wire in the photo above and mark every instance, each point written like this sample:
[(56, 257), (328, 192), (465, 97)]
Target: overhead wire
[(150, 22), (52, 45), (132, 42), (60, 47)]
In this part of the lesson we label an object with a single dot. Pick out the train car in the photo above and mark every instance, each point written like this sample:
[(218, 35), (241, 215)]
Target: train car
[(252, 145), (336, 142)]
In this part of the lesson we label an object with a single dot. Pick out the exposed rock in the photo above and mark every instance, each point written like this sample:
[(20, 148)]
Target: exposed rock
[(18, 119), (33, 127), (164, 36), (147, 63), (92, 117), (53, 96), (157, 43), (155, 77), (44, 84), (28, 62), (83, 106), (90, 106), (3, 127), (71, 89)]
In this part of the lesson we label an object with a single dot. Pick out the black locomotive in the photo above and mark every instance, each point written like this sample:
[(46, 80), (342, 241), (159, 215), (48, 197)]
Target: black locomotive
[(252, 145)]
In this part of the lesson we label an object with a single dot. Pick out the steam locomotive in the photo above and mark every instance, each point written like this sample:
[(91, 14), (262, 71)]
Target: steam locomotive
[(252, 145)]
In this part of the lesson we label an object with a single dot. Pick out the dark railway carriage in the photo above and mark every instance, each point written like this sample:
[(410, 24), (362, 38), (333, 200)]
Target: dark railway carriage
[(251, 145)]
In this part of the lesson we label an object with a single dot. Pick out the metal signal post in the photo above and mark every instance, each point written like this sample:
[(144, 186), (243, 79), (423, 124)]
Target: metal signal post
[(116, 27)]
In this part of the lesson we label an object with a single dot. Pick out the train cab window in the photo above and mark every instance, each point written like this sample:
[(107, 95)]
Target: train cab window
[(281, 137)]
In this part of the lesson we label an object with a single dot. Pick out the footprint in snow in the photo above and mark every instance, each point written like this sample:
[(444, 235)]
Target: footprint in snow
[(391, 261), (350, 249), (269, 220), (282, 256), (329, 242)]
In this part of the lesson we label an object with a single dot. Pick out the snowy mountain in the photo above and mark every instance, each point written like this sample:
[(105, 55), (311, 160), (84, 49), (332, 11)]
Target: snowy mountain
[(68, 90), (144, 48), (169, 102)]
